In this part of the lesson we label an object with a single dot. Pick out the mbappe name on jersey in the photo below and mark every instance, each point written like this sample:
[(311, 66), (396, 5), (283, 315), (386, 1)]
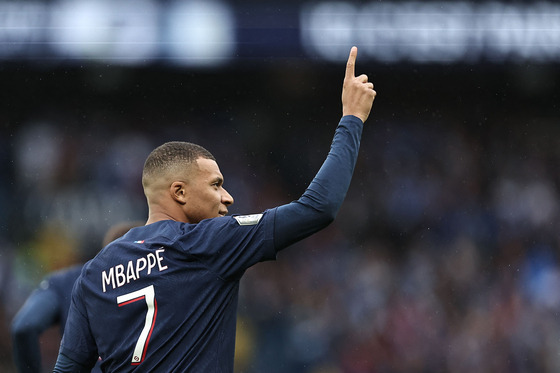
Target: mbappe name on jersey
[(122, 274)]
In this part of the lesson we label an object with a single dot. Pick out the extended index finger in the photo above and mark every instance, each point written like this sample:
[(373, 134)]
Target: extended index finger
[(350, 65)]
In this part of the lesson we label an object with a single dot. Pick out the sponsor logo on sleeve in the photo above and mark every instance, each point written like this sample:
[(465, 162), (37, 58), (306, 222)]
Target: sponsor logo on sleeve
[(248, 219)]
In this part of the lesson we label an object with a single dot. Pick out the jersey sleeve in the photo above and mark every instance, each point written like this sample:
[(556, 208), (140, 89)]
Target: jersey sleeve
[(39, 312), (77, 342), (320, 203)]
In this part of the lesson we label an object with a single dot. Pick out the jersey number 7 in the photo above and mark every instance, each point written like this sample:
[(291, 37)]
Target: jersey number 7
[(147, 293)]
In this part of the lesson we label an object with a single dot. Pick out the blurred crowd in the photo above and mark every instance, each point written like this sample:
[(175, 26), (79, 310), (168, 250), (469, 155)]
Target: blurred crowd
[(444, 257)]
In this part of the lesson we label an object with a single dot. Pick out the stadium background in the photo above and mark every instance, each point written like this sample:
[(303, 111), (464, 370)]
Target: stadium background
[(444, 257)]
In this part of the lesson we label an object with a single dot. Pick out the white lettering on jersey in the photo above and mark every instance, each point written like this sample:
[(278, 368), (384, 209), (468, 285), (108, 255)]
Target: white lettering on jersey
[(117, 276), (248, 219)]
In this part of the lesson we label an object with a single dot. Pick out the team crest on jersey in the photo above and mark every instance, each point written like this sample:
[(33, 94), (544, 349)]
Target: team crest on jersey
[(248, 219)]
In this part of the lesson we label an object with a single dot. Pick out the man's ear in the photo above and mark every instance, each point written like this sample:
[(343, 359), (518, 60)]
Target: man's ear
[(178, 192)]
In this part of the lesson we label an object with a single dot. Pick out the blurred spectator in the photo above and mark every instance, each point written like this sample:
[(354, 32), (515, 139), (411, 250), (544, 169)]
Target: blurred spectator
[(47, 306)]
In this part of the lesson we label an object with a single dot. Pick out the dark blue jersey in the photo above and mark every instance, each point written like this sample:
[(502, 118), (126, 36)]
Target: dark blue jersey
[(164, 296)]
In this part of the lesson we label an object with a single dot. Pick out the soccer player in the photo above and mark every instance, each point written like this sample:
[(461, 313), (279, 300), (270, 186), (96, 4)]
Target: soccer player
[(48, 306), (163, 298)]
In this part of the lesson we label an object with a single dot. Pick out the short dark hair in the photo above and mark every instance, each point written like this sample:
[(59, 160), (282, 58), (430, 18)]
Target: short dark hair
[(171, 154)]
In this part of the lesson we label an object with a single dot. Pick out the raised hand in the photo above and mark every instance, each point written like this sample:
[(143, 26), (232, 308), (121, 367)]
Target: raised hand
[(357, 93)]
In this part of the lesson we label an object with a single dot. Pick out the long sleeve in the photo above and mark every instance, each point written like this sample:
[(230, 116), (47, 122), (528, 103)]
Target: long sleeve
[(39, 312), (320, 203)]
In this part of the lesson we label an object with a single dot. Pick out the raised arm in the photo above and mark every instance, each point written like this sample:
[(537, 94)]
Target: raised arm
[(320, 203)]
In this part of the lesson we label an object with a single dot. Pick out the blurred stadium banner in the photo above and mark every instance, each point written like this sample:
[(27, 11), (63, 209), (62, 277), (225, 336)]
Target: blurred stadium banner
[(214, 33)]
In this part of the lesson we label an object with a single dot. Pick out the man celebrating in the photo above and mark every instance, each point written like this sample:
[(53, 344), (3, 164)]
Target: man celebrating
[(164, 296)]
